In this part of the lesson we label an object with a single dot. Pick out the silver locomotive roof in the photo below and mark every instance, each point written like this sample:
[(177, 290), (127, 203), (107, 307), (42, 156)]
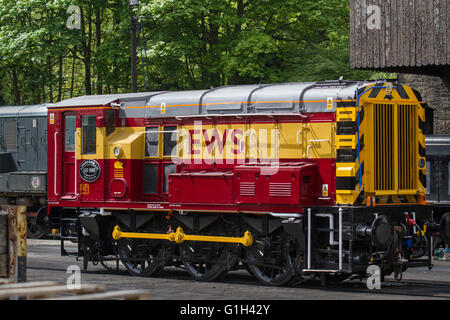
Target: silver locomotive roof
[(304, 97)]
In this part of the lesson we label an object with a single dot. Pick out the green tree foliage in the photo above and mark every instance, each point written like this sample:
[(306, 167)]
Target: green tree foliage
[(183, 44)]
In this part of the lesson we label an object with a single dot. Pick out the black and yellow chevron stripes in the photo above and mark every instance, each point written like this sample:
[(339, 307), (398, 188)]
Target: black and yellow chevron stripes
[(348, 170), (388, 166), (421, 150)]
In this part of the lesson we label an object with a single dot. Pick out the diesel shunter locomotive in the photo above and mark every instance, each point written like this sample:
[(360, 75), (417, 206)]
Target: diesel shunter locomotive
[(286, 180)]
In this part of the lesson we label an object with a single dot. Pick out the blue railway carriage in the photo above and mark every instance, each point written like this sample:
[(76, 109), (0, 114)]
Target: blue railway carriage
[(23, 160)]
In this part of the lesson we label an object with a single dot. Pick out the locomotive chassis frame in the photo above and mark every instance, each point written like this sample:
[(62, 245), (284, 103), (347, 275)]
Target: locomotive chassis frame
[(305, 227)]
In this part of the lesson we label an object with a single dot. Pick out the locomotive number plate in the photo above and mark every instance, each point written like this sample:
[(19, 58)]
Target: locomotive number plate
[(90, 170)]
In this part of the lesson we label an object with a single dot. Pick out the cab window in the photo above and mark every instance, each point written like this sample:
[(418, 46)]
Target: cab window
[(69, 127), (88, 134)]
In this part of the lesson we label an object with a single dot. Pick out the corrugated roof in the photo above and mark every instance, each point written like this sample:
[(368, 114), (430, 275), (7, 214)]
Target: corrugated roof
[(19, 111)]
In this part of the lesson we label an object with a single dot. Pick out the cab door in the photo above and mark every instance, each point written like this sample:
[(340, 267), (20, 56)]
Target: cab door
[(68, 154)]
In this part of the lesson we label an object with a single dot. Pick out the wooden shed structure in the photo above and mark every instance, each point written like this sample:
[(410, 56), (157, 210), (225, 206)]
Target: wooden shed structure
[(406, 36)]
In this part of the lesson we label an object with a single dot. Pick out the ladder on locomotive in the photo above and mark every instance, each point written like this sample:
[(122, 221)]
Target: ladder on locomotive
[(69, 229), (332, 249)]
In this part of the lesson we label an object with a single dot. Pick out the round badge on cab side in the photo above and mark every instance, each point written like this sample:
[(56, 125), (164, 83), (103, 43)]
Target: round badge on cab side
[(90, 170)]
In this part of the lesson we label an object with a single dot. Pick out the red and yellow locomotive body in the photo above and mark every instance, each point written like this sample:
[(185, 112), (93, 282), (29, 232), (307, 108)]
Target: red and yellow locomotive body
[(285, 180)]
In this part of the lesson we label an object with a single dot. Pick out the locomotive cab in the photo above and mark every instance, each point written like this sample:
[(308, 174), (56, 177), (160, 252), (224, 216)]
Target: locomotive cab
[(90, 159), (76, 160)]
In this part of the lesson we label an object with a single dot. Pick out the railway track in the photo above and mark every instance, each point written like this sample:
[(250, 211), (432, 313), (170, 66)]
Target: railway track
[(44, 263)]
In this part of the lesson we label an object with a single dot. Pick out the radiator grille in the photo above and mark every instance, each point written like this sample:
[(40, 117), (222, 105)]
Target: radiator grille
[(395, 137), (384, 146), (407, 144)]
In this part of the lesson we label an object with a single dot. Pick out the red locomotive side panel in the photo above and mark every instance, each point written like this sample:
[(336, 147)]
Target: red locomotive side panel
[(124, 180), (206, 187), (289, 184), (292, 184)]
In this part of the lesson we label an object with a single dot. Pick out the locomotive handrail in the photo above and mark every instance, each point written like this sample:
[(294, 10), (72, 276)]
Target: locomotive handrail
[(309, 239), (271, 115), (75, 163), (298, 138), (54, 175), (309, 146)]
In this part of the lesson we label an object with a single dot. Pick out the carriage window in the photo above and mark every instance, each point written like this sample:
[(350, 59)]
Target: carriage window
[(88, 134), (69, 128), (110, 121), (428, 179), (151, 142), (170, 141)]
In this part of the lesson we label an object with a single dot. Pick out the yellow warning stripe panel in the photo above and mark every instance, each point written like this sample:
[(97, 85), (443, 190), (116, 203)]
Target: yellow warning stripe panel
[(346, 114), (345, 169), (346, 141), (394, 93), (371, 150)]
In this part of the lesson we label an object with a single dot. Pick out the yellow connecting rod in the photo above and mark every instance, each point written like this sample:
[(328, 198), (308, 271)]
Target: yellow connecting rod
[(179, 237)]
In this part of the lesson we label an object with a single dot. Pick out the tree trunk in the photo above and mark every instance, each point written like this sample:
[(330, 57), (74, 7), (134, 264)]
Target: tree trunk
[(15, 84), (98, 42), (86, 43), (72, 80), (60, 77), (50, 84)]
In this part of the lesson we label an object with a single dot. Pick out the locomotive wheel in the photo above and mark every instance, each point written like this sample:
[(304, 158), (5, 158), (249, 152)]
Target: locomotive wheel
[(110, 263), (206, 261), (270, 259), (141, 257), (32, 230)]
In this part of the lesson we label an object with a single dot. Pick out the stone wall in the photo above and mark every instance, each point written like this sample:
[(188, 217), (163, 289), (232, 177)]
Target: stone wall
[(436, 94)]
